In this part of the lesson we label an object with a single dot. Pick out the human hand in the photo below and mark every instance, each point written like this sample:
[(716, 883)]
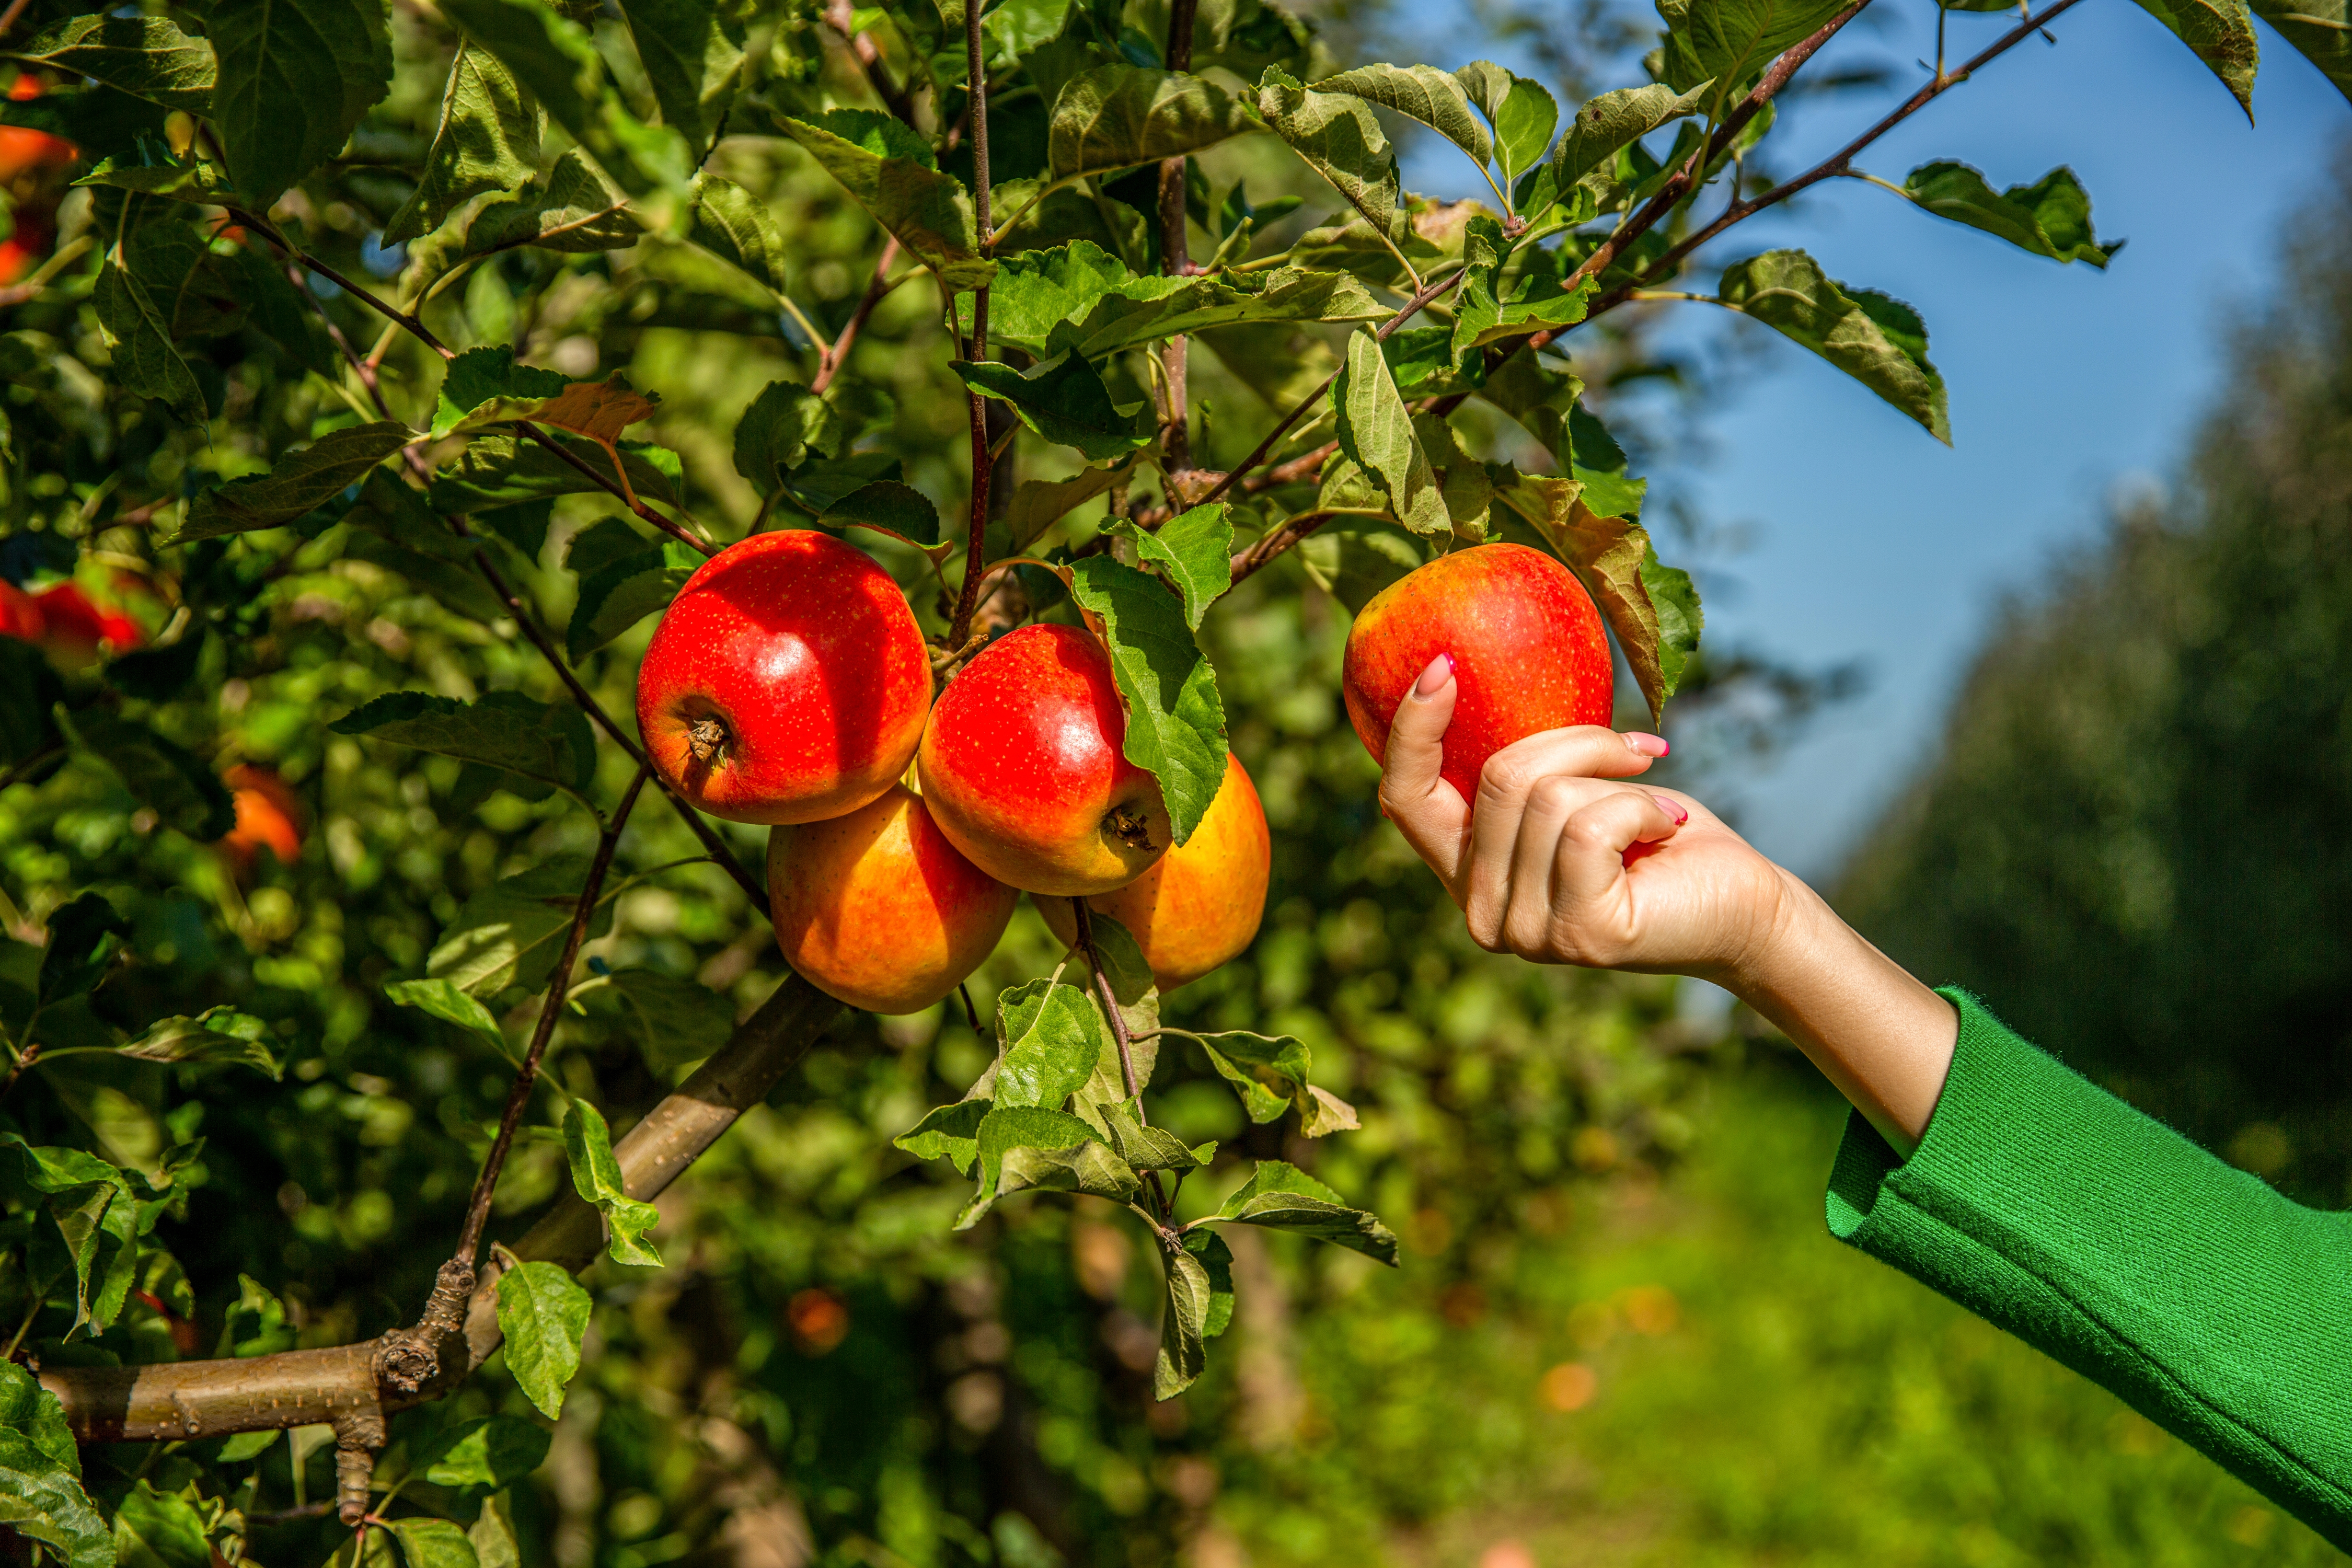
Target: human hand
[(1560, 861)]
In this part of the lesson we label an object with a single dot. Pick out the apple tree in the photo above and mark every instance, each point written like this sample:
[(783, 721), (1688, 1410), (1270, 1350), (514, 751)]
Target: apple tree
[(334, 862)]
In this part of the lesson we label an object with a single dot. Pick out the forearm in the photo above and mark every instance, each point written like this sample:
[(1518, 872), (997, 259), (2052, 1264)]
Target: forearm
[(1880, 1036)]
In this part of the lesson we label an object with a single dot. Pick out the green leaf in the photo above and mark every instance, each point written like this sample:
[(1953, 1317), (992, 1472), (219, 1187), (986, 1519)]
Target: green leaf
[(1284, 1197), (1731, 41), (2222, 34), (205, 184), (163, 777), (886, 506), (446, 1001), (597, 1176), (692, 51), (139, 337), (1063, 400), (543, 1315), (549, 56), (1006, 1128), (1150, 1148), (1523, 112), (1089, 1167), (42, 1500), (736, 226), (495, 1544), (677, 1020), (1183, 1325), (2050, 217), (1602, 125), (433, 1543), (487, 1454), (485, 386), (1489, 310), (1376, 434), (296, 484), (1420, 92), (950, 1133), (1175, 720), (1341, 139), (1652, 609), (1353, 565), (573, 211), (1050, 1034), (1079, 297), (1117, 116), (146, 56), (513, 931), (930, 212), (548, 740), (1035, 505), (1218, 1259), (96, 1220), (159, 1530), (85, 933), (1268, 1072), (784, 427), (1877, 341), (30, 692), (295, 77), (1193, 550), (618, 595), (32, 1413), (255, 1325), (217, 1035), (514, 470), (488, 140), (2321, 29)]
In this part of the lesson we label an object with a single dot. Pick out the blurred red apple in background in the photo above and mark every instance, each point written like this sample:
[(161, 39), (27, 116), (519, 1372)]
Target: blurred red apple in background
[(269, 817), (1022, 768), (878, 909), (787, 681), (1201, 903), (1528, 649)]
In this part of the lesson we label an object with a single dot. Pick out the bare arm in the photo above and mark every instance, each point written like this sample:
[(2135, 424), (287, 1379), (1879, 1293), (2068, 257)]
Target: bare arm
[(1560, 861)]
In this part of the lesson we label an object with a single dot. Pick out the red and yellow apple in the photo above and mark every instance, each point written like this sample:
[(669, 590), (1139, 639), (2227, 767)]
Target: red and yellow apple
[(1023, 769), (878, 910), (1201, 903), (1528, 649), (268, 817), (787, 681)]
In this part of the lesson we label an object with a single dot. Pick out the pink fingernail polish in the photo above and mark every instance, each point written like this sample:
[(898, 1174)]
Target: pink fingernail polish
[(1673, 808), (1440, 671), (1642, 745)]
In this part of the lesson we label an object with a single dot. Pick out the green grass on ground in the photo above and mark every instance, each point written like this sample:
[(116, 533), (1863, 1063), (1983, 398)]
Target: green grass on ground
[(1745, 1390)]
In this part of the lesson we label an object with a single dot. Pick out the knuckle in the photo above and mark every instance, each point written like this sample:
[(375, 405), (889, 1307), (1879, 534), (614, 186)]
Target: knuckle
[(1553, 794), (1504, 777)]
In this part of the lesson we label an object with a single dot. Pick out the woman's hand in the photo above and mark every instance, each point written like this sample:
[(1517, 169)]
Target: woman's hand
[(1559, 862)]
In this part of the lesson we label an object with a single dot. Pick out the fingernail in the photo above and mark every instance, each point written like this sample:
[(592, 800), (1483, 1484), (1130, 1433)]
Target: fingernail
[(1440, 671), (1672, 807), (1642, 745)]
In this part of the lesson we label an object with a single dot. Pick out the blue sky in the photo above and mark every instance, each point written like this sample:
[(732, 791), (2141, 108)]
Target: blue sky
[(1866, 539)]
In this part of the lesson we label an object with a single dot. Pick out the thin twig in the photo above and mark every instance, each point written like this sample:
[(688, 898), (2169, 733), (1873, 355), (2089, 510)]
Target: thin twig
[(478, 1212), (1837, 163), (829, 363), (898, 99), (1176, 260), (675, 530), (1118, 1022), (8, 17), (983, 463)]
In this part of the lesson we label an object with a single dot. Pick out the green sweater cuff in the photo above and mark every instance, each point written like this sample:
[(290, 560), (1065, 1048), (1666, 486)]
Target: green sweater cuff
[(2218, 1309)]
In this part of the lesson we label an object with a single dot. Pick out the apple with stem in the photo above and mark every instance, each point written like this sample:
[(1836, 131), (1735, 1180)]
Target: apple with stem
[(1528, 653), (878, 910), (1022, 768), (787, 681), (1201, 903)]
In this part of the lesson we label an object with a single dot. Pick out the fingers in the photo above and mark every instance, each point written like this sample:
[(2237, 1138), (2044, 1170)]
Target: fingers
[(1428, 811), (1554, 896), (1581, 754), (1590, 861)]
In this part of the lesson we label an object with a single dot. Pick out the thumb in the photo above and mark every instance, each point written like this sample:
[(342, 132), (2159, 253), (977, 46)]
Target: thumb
[(1428, 811)]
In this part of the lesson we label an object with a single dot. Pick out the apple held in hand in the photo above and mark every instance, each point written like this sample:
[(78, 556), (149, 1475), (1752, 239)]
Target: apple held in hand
[(878, 910), (787, 681), (1023, 769), (1528, 649), (1201, 904)]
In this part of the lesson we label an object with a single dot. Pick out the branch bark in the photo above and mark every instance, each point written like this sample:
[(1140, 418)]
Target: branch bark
[(976, 526), (343, 1387), (1176, 260)]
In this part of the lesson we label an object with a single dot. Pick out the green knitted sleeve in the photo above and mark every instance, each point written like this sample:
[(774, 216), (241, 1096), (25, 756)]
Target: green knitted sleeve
[(2213, 1306)]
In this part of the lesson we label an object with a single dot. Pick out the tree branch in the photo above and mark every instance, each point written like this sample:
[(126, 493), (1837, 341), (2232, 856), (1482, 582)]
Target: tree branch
[(983, 463), (1175, 261), (830, 362), (675, 530), (177, 1400)]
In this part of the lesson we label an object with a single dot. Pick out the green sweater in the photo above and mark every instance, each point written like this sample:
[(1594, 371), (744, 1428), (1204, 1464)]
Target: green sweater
[(2211, 1304)]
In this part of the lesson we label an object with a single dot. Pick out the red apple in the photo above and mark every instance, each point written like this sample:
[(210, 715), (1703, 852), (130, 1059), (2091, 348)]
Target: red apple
[(79, 627), (20, 614), (787, 682), (1528, 653), (268, 817), (1023, 769), (878, 909), (1201, 902)]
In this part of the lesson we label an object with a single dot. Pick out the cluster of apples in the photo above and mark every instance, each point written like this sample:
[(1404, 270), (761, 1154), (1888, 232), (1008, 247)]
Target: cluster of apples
[(788, 685)]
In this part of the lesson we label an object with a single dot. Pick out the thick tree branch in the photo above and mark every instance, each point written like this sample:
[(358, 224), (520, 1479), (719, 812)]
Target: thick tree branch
[(174, 1401)]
